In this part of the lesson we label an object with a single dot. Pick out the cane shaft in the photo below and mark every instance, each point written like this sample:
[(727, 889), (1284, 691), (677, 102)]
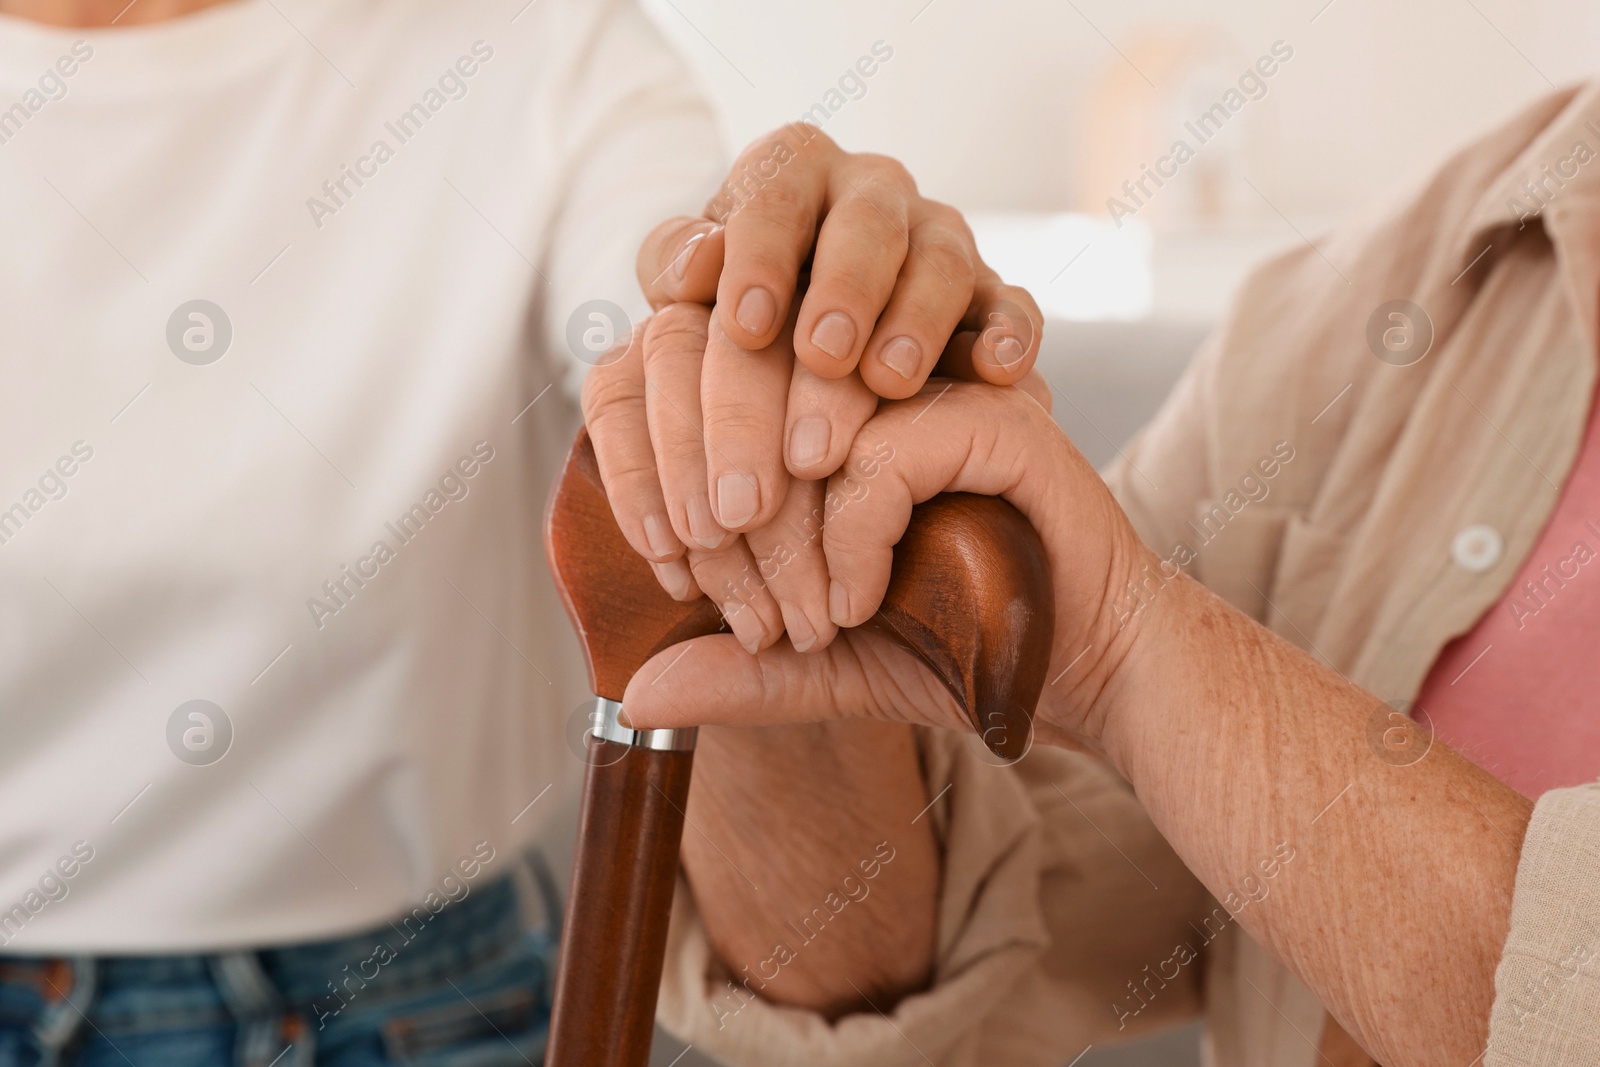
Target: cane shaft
[(615, 935)]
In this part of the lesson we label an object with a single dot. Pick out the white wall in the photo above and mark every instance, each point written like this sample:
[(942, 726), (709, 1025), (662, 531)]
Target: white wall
[(983, 97)]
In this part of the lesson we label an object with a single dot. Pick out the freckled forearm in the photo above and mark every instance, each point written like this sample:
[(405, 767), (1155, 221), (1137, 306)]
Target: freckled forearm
[(815, 886), (1242, 748)]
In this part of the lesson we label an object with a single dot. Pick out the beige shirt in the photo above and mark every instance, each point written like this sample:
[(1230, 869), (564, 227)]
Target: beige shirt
[(1058, 891)]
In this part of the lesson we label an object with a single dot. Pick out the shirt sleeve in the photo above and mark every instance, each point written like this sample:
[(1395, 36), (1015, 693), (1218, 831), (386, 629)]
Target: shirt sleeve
[(1059, 894), (1547, 986), (640, 145)]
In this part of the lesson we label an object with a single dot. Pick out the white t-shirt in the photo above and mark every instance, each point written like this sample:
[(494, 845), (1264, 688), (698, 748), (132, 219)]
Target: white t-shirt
[(317, 511)]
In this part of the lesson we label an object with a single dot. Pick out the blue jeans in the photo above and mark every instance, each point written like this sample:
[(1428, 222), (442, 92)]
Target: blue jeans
[(468, 987)]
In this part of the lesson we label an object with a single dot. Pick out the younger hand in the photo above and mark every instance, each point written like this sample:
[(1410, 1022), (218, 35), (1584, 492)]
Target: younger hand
[(658, 428), (896, 272)]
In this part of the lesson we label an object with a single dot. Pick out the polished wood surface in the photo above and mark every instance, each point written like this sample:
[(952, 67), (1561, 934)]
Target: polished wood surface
[(970, 595), (623, 617), (615, 935)]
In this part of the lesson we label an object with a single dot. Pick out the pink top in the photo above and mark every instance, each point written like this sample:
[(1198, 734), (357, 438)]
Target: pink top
[(1517, 694)]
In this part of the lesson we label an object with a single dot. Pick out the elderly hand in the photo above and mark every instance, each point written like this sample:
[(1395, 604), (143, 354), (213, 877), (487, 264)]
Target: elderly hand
[(1236, 742), (958, 437)]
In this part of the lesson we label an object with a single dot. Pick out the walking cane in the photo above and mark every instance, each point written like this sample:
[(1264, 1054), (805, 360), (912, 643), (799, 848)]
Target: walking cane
[(969, 594)]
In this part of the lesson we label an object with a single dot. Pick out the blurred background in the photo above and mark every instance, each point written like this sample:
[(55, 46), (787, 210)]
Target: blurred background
[(1029, 115)]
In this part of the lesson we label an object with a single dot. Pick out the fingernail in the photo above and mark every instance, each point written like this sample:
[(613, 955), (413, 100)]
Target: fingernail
[(736, 499), (808, 441), (685, 256), (746, 627), (903, 356), (838, 604), (1006, 353), (659, 534), (675, 578), (835, 334), (756, 311), (702, 526), (801, 633)]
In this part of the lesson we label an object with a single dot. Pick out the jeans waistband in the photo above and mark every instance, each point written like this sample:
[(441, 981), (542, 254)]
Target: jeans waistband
[(431, 941), (274, 1003)]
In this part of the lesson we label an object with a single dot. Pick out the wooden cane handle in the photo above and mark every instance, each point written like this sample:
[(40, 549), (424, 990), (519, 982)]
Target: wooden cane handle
[(622, 615), (969, 594)]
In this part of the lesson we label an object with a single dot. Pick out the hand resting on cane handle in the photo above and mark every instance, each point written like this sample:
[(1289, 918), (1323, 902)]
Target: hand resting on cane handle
[(1231, 737)]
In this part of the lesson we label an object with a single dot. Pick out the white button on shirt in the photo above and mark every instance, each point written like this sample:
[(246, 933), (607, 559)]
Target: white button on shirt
[(1476, 548), (324, 544)]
